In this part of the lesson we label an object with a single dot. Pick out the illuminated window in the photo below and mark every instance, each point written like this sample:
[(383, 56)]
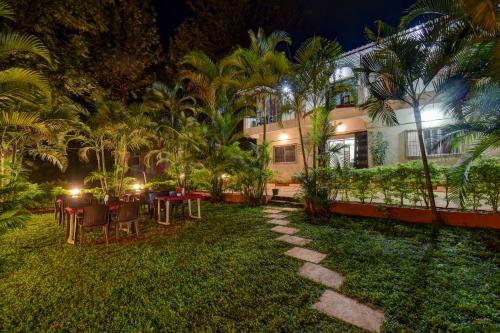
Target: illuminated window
[(432, 143), (284, 154)]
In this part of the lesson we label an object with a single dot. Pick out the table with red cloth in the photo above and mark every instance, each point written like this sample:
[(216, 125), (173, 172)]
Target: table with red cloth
[(185, 197), (72, 213)]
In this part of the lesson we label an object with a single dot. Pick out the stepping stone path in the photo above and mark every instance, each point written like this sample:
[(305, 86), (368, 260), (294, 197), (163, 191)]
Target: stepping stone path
[(305, 254), (289, 209), (322, 275), (285, 230), (350, 310), (295, 240), (272, 211), (331, 303), (276, 216), (278, 222)]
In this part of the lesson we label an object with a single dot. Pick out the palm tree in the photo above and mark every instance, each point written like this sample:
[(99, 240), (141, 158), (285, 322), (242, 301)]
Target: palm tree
[(221, 112), (116, 130), (311, 81), (400, 68), (174, 112), (20, 84), (256, 70), (469, 86)]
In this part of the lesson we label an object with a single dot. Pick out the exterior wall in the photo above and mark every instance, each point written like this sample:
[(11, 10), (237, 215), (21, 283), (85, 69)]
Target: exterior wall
[(349, 121), (395, 135)]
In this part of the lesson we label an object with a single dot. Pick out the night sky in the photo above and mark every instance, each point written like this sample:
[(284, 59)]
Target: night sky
[(343, 20)]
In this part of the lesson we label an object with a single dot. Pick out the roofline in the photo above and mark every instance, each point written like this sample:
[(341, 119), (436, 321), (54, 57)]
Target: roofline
[(372, 44)]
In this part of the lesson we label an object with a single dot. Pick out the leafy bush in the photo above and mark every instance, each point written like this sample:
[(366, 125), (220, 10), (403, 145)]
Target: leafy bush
[(378, 148), (382, 178), (401, 183), (484, 183), (362, 185), (318, 189)]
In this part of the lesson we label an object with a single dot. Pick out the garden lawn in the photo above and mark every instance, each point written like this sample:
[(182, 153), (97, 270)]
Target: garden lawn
[(227, 273)]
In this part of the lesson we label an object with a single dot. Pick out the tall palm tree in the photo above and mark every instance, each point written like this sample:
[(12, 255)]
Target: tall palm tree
[(174, 113), (221, 112), (258, 69), (469, 86), (311, 81), (401, 68)]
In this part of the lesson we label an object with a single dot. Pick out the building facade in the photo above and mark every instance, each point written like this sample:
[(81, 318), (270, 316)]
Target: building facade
[(355, 130)]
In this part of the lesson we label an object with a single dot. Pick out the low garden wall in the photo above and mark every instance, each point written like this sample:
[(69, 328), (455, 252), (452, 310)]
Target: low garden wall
[(467, 219)]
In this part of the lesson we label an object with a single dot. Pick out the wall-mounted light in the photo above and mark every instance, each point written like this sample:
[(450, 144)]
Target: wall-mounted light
[(283, 137), (137, 187), (431, 114), (75, 192), (286, 89), (341, 128)]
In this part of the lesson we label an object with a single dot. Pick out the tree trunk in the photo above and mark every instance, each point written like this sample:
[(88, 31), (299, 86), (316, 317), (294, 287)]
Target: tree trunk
[(306, 171), (436, 219)]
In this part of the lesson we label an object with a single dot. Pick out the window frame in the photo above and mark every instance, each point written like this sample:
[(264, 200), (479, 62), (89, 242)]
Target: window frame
[(294, 145), (429, 155)]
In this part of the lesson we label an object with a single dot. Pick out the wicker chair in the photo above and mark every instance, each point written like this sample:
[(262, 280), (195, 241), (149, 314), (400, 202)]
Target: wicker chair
[(95, 216), (128, 214)]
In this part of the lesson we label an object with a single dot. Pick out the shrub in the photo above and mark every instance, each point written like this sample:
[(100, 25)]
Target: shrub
[(362, 184), (383, 181), (401, 178), (378, 148), (488, 176)]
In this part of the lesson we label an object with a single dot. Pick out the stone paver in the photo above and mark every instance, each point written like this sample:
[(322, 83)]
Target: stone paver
[(285, 230), (295, 240), (350, 310), (322, 275), (276, 216), (279, 222), (290, 209), (305, 254), (272, 210)]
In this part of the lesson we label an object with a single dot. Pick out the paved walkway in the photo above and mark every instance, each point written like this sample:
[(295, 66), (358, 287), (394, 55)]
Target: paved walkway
[(331, 302)]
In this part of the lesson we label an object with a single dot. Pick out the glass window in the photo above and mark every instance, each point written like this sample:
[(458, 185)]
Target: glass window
[(346, 155), (432, 143), (284, 154)]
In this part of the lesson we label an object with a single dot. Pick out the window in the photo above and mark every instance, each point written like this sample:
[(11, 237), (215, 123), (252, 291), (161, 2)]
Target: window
[(344, 156), (432, 137), (284, 154)]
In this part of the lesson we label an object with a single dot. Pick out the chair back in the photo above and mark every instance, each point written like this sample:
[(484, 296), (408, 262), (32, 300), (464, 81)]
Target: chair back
[(128, 211), (75, 202), (95, 215), (87, 198)]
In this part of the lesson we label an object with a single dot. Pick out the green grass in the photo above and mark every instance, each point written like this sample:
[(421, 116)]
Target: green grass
[(227, 273)]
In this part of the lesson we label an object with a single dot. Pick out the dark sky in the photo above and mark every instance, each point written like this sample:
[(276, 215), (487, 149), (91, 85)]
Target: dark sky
[(343, 20)]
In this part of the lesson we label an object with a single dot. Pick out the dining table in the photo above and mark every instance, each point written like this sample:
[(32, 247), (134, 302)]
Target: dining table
[(182, 197), (73, 212)]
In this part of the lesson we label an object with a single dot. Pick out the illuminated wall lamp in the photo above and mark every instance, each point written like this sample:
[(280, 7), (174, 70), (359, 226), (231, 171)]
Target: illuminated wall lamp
[(283, 137)]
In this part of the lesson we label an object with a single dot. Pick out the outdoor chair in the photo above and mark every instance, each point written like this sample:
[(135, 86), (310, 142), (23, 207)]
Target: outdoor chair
[(94, 217), (152, 202), (59, 208), (128, 214), (176, 204)]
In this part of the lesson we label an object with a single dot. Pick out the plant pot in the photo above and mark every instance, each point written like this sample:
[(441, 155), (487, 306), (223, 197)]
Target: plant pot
[(276, 191)]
